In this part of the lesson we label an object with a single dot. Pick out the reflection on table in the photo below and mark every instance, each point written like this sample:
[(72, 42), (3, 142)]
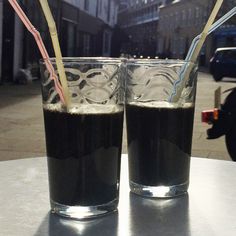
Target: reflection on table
[(208, 209)]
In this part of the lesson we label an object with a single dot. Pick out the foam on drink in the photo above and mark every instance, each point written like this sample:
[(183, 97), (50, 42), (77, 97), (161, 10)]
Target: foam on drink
[(85, 108), (161, 104)]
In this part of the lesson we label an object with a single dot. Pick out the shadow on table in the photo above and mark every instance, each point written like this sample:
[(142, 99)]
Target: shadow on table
[(159, 216), (140, 216), (54, 225)]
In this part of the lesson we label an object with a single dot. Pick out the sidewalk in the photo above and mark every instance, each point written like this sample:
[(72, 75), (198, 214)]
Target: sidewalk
[(22, 130), (21, 121)]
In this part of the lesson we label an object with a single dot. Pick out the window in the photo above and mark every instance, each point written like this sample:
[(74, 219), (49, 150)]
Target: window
[(197, 15), (86, 5), (189, 16), (109, 11), (231, 55), (86, 44), (172, 22), (68, 38), (71, 39), (183, 17), (182, 46), (106, 43), (174, 44), (177, 17), (100, 7)]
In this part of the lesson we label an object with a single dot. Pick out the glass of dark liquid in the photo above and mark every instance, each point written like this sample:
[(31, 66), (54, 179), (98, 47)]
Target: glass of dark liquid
[(84, 140), (159, 130)]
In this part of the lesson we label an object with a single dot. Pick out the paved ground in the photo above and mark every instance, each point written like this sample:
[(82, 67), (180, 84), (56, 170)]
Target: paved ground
[(22, 132)]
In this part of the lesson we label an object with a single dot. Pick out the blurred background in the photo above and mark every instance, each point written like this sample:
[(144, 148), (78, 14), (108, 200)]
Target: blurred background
[(130, 28)]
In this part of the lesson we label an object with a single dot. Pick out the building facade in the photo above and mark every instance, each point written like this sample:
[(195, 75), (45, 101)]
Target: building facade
[(84, 27), (97, 17), (139, 19), (225, 36), (182, 20), (1, 20)]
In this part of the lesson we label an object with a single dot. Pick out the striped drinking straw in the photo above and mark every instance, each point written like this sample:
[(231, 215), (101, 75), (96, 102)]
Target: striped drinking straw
[(186, 70), (41, 47)]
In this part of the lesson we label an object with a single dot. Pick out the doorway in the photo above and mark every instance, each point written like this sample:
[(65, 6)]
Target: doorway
[(7, 42)]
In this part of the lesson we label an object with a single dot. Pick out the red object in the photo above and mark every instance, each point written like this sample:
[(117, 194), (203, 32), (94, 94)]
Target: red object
[(208, 116)]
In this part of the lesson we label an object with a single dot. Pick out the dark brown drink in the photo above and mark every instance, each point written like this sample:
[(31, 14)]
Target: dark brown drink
[(84, 151), (159, 144)]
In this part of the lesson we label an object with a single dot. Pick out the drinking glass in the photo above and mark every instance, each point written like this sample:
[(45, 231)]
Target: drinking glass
[(159, 130), (84, 140)]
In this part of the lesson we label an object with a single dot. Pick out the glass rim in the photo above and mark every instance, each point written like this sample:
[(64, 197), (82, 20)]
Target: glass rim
[(149, 61), (85, 60)]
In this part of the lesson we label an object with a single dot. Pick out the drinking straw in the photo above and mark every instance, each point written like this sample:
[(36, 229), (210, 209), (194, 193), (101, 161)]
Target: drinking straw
[(56, 47), (185, 70), (41, 46)]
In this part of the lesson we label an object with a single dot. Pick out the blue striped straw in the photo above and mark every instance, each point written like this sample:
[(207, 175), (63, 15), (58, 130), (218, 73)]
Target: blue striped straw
[(178, 84)]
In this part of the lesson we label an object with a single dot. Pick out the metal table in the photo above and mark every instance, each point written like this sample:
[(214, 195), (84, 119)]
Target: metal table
[(208, 209)]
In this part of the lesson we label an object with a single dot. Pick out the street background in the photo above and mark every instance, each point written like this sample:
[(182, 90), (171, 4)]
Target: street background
[(108, 28), (22, 129)]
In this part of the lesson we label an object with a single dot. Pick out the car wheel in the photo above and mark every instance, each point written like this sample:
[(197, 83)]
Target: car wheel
[(230, 138), (217, 77)]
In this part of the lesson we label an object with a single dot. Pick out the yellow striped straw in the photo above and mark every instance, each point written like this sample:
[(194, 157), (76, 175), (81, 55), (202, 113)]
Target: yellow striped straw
[(57, 50)]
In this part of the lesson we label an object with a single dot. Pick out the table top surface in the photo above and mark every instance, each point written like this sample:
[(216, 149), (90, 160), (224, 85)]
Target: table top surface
[(208, 209)]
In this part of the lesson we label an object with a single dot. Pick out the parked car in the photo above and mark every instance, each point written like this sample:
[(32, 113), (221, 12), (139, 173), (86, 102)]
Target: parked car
[(223, 63)]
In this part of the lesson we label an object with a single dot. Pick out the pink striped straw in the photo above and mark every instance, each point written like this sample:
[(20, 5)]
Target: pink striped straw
[(41, 47)]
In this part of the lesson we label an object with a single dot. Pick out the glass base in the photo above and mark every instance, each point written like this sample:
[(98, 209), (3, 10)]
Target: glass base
[(162, 191), (83, 212)]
